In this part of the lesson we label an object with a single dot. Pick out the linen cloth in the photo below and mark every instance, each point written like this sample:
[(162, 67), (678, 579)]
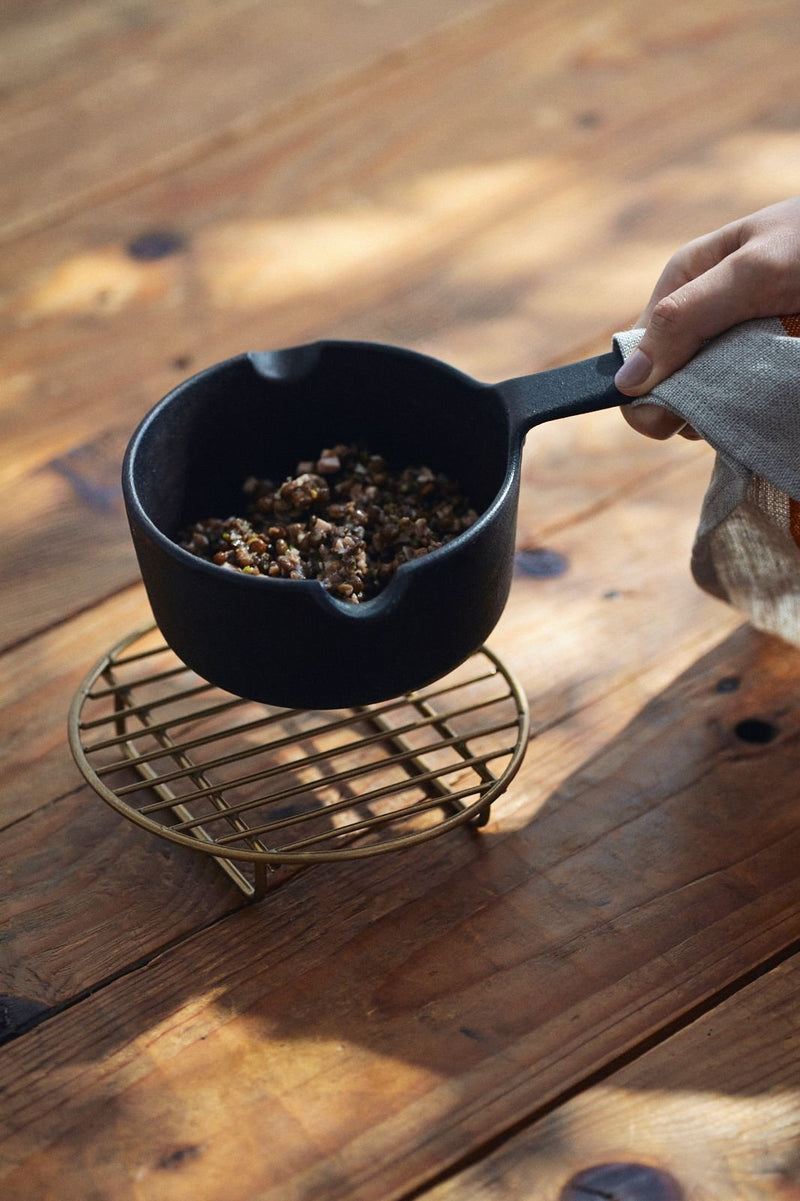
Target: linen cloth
[(741, 392)]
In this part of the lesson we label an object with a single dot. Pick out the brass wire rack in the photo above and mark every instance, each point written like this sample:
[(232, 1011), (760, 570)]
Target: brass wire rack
[(263, 788)]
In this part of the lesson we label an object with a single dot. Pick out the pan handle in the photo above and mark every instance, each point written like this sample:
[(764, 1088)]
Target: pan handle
[(580, 387)]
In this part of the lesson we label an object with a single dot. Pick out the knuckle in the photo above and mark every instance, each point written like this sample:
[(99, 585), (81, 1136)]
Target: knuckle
[(666, 316), (769, 272)]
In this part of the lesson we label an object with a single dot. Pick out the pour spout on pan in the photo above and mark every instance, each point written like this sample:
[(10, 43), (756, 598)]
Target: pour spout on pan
[(286, 365), (582, 387)]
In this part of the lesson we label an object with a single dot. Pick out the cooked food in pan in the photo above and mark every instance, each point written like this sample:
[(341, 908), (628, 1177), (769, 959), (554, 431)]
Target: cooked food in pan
[(345, 518)]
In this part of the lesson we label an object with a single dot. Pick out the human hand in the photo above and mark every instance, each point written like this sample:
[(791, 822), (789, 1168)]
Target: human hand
[(747, 269)]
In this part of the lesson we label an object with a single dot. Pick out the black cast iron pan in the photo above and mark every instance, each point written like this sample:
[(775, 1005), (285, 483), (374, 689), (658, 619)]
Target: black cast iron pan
[(289, 642)]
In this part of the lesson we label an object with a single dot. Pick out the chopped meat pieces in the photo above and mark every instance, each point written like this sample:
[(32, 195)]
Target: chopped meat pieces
[(345, 519)]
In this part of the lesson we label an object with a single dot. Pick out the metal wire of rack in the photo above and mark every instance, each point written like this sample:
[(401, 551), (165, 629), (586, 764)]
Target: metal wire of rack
[(260, 788)]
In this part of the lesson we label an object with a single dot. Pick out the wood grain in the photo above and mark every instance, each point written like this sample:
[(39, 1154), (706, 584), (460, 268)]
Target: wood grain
[(396, 183), (498, 184), (39, 680), (74, 907), (465, 983), (716, 1106), (125, 86), (424, 242)]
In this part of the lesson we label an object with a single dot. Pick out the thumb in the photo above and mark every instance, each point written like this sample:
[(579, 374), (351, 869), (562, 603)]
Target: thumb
[(678, 324)]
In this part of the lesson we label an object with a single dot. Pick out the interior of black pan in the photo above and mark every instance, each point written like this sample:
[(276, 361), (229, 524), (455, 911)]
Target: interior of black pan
[(233, 421)]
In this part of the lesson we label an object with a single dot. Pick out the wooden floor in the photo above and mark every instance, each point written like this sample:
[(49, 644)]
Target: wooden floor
[(607, 973)]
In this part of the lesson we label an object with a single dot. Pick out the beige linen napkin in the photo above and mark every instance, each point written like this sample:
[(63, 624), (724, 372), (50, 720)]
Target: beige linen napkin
[(742, 393)]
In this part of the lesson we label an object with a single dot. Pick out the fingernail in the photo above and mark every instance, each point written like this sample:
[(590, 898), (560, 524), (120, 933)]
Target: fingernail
[(634, 371)]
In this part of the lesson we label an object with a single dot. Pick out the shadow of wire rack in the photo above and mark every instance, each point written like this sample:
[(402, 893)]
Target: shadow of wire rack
[(262, 788)]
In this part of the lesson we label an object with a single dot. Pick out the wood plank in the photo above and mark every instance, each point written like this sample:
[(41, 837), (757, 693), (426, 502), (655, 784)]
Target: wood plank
[(495, 193), (39, 680), (477, 261), (716, 1107), (407, 1026), (85, 894), (66, 522), (415, 190), (75, 910), (382, 1019), (150, 86)]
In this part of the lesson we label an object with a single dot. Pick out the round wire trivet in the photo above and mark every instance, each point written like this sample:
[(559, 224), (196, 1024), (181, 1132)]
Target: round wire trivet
[(260, 787)]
